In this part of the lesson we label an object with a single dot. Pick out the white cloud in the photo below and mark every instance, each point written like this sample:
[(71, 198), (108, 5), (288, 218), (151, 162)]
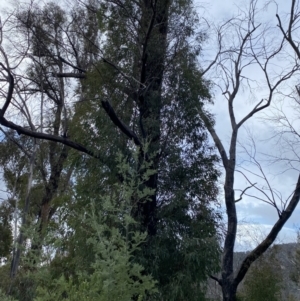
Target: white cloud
[(250, 235)]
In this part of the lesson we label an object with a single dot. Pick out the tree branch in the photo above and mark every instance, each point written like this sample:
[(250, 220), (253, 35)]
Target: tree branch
[(267, 242), (71, 74), (10, 89), (244, 191), (288, 36), (71, 65), (21, 130), (120, 124), (216, 279), (215, 137)]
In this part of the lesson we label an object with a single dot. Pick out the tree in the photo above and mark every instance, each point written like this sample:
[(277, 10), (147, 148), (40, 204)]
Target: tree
[(251, 47), (43, 40), (179, 169), (149, 109)]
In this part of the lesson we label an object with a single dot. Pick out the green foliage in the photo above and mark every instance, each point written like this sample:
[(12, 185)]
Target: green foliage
[(295, 273), (263, 282), (95, 234), (4, 297), (183, 254), (4, 277), (5, 229), (112, 239), (180, 255), (115, 276)]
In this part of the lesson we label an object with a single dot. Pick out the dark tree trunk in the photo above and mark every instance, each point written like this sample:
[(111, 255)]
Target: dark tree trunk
[(154, 27)]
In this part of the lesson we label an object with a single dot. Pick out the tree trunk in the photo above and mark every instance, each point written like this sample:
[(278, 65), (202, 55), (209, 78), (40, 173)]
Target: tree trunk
[(154, 27), (19, 242), (229, 292)]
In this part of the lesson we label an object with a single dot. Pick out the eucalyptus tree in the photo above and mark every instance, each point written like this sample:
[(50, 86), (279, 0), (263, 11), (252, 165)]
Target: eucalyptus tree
[(136, 86), (154, 106), (45, 38)]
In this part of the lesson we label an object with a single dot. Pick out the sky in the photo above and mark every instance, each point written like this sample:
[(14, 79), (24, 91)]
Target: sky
[(255, 217)]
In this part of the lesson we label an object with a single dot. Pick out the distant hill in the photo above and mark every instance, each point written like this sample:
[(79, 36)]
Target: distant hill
[(283, 256)]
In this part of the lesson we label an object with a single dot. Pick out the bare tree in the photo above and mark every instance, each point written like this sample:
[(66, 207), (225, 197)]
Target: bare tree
[(245, 43), (286, 117)]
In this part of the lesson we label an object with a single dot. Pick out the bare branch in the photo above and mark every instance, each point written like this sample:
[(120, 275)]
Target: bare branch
[(11, 82), (288, 34), (120, 124), (215, 137), (70, 75), (216, 279), (244, 191), (267, 242), (71, 65), (21, 130)]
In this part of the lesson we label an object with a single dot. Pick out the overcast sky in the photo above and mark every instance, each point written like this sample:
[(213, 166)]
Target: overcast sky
[(257, 217)]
